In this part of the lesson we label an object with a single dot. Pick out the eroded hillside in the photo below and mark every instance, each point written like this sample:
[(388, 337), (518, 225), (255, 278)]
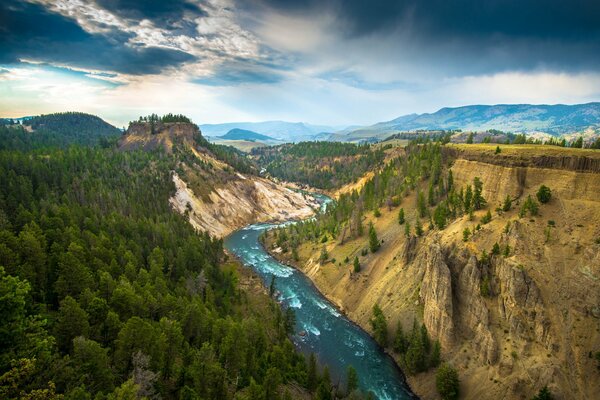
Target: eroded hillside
[(215, 196), (511, 318)]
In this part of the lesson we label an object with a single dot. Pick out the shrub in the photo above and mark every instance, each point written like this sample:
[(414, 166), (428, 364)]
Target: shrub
[(544, 194), (486, 218)]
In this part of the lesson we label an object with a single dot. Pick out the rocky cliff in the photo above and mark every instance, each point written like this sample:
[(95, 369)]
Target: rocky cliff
[(212, 194), (512, 322), (143, 135)]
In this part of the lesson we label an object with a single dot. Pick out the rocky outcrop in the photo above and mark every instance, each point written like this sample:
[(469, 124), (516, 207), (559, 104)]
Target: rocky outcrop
[(436, 296), (572, 162), (240, 202), (146, 136), (520, 304), (474, 314)]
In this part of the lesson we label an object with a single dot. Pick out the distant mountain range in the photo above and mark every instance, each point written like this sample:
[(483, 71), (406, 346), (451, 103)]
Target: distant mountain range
[(244, 134), (280, 130), (517, 118)]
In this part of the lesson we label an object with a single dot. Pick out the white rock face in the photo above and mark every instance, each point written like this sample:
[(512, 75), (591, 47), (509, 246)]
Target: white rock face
[(241, 202)]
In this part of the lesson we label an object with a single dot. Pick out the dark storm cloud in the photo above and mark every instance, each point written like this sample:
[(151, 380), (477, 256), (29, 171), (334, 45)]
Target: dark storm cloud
[(575, 19), (518, 34), (28, 31)]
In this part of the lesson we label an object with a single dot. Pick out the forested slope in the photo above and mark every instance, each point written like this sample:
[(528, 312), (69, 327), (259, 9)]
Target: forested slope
[(323, 165), (57, 130), (107, 293)]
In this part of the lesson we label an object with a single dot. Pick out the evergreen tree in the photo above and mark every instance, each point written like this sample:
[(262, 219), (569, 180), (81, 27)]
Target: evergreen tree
[(272, 286), (447, 383), (487, 217), (434, 359), (418, 227), (496, 249), (507, 205), (324, 256), (379, 325), (72, 322), (407, 229), (356, 265), (543, 394), (544, 194), (468, 198), (470, 138), (312, 377), (466, 234), (400, 341), (421, 205), (478, 200), (401, 216), (352, 380), (373, 240), (439, 216)]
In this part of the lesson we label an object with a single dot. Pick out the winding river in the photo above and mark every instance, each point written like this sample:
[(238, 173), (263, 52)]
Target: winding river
[(335, 340)]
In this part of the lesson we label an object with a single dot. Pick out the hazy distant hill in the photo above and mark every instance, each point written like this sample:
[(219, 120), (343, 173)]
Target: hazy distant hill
[(244, 134), (280, 130), (517, 118)]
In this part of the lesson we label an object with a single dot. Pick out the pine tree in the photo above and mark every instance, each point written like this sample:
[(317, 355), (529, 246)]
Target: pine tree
[(434, 359), (496, 249), (470, 138), (466, 234), (379, 325), (352, 380), (373, 241), (507, 205), (418, 227), (400, 341), (401, 216), (312, 373), (272, 286), (447, 383), (356, 265), (421, 205), (544, 194), (478, 200), (324, 255), (468, 198), (407, 229)]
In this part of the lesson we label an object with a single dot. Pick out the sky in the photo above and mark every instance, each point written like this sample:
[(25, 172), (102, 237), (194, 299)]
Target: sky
[(335, 62)]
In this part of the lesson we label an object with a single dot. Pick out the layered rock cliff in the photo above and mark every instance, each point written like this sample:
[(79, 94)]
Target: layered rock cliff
[(511, 322)]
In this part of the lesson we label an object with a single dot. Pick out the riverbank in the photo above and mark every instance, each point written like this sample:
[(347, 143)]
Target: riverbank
[(423, 384), (336, 340)]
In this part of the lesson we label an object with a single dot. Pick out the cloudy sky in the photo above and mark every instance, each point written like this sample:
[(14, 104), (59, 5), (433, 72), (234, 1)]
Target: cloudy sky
[(330, 62)]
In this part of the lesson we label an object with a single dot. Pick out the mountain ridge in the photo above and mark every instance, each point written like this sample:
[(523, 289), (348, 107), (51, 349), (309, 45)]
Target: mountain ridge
[(554, 119), (244, 134)]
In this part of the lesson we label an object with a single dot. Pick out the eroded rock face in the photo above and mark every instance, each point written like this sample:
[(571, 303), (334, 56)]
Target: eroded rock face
[(474, 314), (241, 202), (143, 135), (436, 295), (520, 304)]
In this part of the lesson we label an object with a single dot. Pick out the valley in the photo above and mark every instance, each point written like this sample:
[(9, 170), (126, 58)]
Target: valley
[(510, 322), (498, 278)]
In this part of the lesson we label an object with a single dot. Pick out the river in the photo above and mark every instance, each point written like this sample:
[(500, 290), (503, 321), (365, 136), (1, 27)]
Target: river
[(335, 340)]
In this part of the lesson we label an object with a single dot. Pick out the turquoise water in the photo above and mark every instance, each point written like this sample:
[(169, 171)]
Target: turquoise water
[(334, 339)]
